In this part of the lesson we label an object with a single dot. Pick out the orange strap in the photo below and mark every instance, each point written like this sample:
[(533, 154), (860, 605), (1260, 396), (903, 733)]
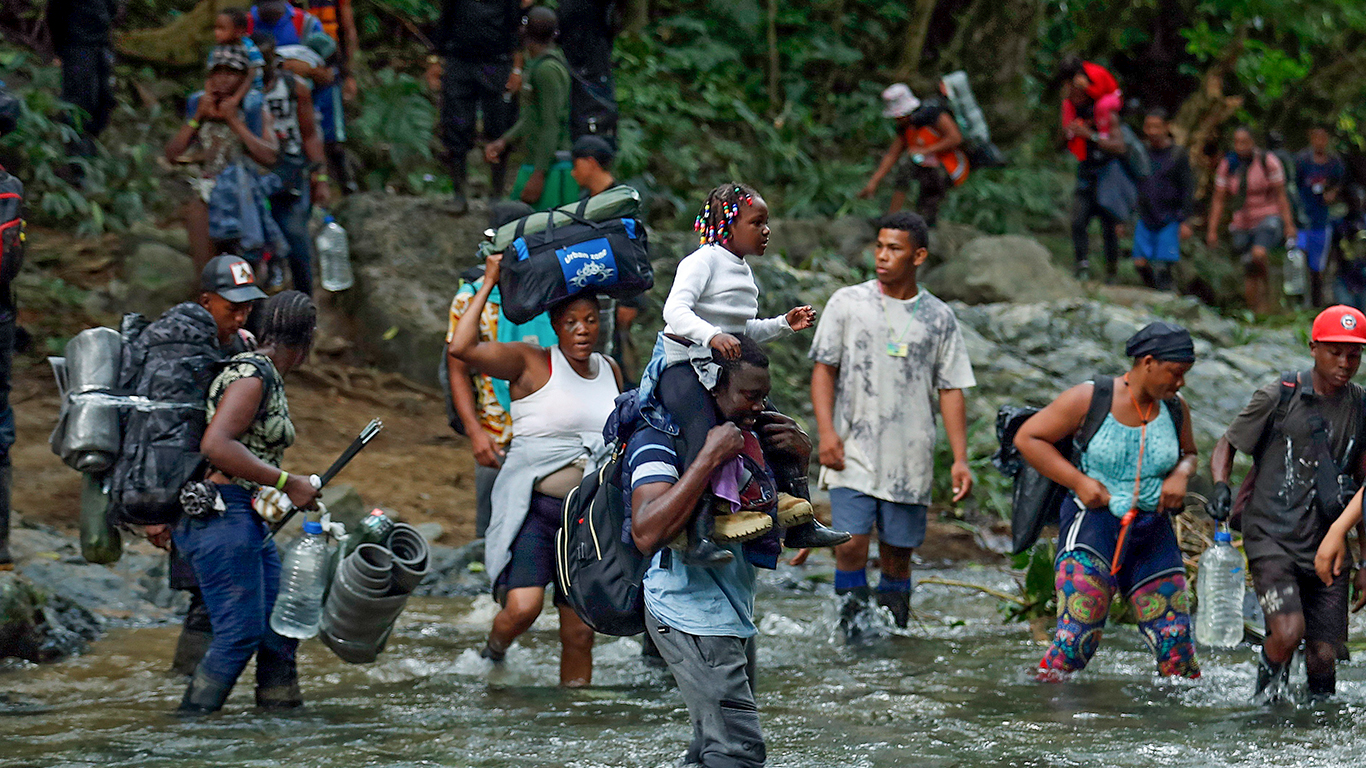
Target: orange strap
[(1143, 418)]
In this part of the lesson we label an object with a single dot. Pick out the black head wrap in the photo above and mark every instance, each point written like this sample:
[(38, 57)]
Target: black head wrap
[(1167, 342)]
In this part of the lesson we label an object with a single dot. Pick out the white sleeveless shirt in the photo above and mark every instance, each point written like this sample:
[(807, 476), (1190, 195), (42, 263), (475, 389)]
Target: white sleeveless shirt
[(568, 403)]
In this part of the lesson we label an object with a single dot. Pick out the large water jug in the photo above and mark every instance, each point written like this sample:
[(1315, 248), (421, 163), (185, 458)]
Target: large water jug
[(1219, 589), (334, 254), (303, 577)]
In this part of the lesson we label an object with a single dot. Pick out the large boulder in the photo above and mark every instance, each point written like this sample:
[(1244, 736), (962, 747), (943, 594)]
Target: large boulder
[(1006, 268), (407, 254), (39, 627)]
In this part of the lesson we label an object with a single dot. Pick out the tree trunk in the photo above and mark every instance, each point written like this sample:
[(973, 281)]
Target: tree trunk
[(774, 97), (181, 43), (921, 13)]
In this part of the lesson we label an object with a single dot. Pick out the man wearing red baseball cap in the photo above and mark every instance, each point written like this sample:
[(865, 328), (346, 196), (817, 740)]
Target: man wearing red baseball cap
[(1305, 434)]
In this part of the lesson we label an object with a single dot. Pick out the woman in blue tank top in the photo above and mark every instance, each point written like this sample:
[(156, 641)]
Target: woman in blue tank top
[(1115, 537)]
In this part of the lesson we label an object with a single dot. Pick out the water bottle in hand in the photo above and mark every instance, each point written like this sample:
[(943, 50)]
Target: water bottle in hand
[(1219, 590), (303, 577), (334, 254)]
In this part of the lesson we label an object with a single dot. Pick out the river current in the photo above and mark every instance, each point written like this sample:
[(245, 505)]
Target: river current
[(952, 690)]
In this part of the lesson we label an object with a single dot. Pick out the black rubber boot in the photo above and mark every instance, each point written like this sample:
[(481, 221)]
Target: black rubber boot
[(702, 551), (853, 603), (498, 178), (813, 535), (204, 696), (195, 636), (899, 603), (493, 654), (460, 205), (285, 696), (6, 475), (1272, 680), (1323, 686)]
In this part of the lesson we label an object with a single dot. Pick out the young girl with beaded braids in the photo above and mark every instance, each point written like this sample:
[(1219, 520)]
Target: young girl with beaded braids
[(714, 298)]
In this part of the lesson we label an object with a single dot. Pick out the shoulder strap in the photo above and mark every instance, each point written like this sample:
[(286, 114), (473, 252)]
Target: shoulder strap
[(1102, 396), (1290, 382), (1178, 414), (299, 18)]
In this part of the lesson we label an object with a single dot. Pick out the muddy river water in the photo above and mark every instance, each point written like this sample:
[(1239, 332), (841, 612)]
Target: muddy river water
[(953, 690)]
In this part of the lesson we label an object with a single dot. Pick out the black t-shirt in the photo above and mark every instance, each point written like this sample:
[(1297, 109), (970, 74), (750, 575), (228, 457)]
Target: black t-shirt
[(586, 34), (1164, 195), (1282, 517), (478, 30)]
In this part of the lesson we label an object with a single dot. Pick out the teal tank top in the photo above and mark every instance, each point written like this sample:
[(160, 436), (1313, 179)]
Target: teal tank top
[(1112, 458)]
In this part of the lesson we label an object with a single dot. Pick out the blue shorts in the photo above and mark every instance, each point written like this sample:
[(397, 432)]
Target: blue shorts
[(899, 525), (1314, 243), (1160, 245), (1151, 550)]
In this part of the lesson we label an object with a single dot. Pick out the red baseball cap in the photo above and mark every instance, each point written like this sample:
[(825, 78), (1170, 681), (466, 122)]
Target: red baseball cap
[(1340, 323)]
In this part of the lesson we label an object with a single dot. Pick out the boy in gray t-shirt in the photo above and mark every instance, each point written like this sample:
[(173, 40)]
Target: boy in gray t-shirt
[(883, 350)]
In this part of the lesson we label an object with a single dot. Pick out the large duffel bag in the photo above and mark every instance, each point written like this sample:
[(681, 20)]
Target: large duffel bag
[(541, 269)]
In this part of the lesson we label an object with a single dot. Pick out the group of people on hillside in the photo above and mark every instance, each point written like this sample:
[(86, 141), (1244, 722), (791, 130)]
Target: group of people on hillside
[(525, 75), (1272, 201)]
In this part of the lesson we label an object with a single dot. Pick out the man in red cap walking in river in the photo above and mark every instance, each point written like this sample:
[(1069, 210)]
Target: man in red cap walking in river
[(1305, 433)]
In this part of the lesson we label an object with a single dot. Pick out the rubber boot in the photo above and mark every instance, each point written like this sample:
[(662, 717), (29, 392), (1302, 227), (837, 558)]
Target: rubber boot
[(702, 551), (195, 636), (460, 204), (204, 696), (495, 655), (1322, 686), (285, 696), (6, 475), (1272, 680), (792, 480), (853, 603), (899, 603), (498, 178)]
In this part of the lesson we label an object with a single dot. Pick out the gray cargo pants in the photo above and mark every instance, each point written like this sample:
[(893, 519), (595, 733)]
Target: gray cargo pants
[(716, 677)]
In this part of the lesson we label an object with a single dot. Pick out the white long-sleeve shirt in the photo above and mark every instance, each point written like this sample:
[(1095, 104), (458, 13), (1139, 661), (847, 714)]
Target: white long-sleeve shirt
[(714, 292)]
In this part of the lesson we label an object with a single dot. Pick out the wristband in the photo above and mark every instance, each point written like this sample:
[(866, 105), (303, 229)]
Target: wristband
[(516, 70), (280, 484), (193, 123), (433, 59), (322, 177)]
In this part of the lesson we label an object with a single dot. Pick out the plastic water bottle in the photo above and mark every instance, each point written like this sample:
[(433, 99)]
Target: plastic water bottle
[(334, 253), (1295, 279), (303, 576), (1219, 589)]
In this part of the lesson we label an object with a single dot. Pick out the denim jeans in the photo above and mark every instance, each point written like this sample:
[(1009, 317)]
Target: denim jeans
[(239, 578), (290, 208)]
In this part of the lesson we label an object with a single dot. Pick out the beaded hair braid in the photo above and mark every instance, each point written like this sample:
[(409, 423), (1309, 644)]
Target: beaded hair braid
[(719, 212)]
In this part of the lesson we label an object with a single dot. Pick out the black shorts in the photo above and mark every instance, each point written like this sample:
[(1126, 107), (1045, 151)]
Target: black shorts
[(1284, 587), (533, 551)]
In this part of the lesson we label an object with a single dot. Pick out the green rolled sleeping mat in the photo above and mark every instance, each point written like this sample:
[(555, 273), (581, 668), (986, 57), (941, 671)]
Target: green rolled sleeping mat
[(618, 202)]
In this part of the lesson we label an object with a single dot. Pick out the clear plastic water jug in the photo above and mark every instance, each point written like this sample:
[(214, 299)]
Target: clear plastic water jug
[(334, 255), (1219, 590), (303, 578)]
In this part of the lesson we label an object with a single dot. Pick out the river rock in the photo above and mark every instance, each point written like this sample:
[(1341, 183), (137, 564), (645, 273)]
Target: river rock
[(158, 277), (40, 627), (1009, 268), (407, 254)]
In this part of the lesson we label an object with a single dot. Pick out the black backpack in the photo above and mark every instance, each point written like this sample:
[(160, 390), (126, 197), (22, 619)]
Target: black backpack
[(11, 228), (1035, 500), (546, 267), (600, 571), (171, 361)]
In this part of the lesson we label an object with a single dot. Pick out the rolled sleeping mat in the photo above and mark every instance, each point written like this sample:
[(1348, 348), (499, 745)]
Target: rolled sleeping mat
[(411, 560), (371, 569), (357, 620), (90, 439), (618, 202)]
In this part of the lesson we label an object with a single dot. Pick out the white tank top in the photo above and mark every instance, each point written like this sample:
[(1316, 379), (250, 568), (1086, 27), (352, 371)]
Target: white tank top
[(568, 403)]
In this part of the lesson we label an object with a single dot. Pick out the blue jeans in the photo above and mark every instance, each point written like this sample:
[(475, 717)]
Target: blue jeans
[(239, 578), (290, 211)]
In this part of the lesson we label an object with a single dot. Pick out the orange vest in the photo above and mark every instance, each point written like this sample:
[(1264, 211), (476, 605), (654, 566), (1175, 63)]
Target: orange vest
[(953, 160), (326, 11)]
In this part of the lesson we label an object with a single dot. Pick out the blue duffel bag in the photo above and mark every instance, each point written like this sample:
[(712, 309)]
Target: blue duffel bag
[(543, 268)]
